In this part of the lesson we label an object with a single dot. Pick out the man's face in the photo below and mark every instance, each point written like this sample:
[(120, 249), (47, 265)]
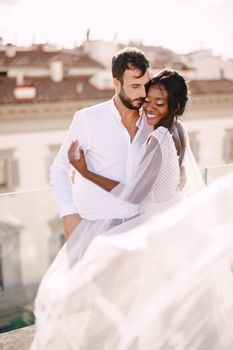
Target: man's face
[(131, 90)]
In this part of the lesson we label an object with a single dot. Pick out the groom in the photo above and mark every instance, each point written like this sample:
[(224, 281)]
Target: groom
[(111, 135)]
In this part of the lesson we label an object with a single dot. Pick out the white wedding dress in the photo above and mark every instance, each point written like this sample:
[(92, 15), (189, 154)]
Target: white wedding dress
[(161, 280), (165, 187)]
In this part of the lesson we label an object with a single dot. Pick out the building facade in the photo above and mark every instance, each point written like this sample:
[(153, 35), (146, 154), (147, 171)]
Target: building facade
[(35, 112)]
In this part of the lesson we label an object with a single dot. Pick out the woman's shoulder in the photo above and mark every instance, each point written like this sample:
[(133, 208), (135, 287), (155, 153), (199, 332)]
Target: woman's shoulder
[(160, 133)]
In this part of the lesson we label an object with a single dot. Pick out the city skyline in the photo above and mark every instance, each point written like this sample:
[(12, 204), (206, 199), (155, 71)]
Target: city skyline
[(182, 26)]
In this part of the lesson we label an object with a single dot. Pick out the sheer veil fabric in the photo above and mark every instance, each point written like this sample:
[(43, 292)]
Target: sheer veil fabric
[(155, 275)]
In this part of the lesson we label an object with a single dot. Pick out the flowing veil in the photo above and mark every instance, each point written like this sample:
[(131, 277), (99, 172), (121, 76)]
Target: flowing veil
[(145, 279)]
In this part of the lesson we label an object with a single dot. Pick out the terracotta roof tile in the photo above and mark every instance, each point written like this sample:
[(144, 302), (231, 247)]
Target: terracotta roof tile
[(161, 57), (66, 90), (50, 91), (208, 87), (39, 58)]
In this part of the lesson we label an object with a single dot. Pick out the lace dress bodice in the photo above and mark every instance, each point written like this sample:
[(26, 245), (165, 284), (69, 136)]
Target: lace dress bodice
[(165, 185)]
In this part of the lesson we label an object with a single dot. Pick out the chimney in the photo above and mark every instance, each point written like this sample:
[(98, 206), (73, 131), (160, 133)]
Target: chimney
[(24, 91), (19, 79), (79, 88), (10, 50), (56, 70)]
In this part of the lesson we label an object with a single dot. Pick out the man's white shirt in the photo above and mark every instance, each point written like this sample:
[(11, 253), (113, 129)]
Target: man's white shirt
[(108, 152)]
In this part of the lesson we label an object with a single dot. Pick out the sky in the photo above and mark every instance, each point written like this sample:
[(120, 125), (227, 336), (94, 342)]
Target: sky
[(179, 25)]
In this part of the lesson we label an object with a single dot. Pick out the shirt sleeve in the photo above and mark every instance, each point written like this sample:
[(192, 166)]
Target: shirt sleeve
[(145, 176), (61, 169)]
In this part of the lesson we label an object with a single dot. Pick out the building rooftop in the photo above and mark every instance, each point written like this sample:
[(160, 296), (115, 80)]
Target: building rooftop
[(69, 89), (77, 88), (39, 58), (209, 87)]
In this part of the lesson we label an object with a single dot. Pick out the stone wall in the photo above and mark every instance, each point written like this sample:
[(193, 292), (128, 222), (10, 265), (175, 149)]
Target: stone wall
[(19, 339)]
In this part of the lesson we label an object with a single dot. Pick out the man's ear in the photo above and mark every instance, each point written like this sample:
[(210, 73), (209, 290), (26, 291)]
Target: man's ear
[(117, 84)]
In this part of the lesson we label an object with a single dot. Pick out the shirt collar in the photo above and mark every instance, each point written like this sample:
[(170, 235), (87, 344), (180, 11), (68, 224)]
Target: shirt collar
[(139, 123), (115, 110)]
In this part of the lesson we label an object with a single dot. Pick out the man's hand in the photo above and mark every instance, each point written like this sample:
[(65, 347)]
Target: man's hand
[(79, 164), (70, 222), (183, 178)]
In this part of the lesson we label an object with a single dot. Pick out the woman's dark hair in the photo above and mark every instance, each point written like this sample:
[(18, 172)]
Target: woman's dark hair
[(178, 94), (128, 58)]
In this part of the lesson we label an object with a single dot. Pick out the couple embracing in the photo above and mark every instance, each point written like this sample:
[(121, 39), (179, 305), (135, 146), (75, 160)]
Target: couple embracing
[(132, 162), (133, 144)]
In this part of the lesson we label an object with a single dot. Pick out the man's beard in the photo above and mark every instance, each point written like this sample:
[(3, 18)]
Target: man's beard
[(127, 102)]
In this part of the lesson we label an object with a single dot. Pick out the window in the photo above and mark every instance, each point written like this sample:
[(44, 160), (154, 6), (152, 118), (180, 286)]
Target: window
[(194, 144), (53, 150), (228, 146), (10, 264), (1, 276), (9, 177), (3, 173), (56, 239)]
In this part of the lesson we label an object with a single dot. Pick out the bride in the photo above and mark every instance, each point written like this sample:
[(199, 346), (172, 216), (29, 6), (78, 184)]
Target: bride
[(166, 153), (166, 284), (124, 291)]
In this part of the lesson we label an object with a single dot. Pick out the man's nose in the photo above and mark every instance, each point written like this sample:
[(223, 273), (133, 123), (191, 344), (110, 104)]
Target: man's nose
[(143, 92)]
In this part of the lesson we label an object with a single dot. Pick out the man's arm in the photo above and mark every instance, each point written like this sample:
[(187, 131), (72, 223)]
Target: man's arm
[(145, 175), (81, 166), (108, 184), (70, 222), (60, 175)]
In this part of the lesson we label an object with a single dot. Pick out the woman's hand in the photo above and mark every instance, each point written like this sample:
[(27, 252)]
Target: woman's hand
[(79, 164)]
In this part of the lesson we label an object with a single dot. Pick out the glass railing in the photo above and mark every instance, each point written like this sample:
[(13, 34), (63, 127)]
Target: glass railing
[(31, 234), (210, 174)]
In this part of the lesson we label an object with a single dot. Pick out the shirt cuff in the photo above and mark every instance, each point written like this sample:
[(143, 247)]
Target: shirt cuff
[(68, 209)]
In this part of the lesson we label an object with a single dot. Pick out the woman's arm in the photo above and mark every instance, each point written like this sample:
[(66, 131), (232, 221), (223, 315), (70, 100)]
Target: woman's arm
[(147, 172), (81, 166), (104, 182), (144, 177)]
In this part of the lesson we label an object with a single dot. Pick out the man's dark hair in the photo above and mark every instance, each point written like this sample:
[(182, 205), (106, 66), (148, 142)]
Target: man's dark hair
[(128, 58)]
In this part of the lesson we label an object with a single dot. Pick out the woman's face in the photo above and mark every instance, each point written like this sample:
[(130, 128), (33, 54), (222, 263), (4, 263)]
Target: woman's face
[(156, 104)]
